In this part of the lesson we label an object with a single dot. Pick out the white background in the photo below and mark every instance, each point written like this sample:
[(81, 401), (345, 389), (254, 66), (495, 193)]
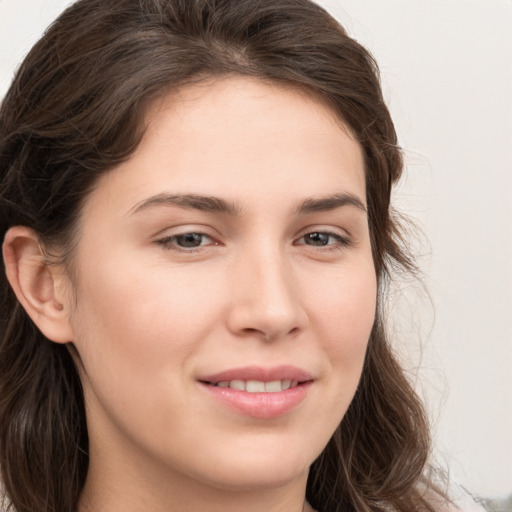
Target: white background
[(447, 74)]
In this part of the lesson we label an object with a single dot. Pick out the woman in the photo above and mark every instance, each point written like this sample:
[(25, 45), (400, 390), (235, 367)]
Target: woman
[(197, 235)]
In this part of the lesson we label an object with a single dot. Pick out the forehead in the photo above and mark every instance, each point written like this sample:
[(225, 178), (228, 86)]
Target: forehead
[(228, 93), (238, 138), (244, 104)]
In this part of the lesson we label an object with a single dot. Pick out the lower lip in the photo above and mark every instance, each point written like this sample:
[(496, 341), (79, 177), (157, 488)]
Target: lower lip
[(260, 405)]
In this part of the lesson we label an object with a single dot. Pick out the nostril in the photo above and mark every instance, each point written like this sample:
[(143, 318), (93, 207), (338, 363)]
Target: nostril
[(269, 334)]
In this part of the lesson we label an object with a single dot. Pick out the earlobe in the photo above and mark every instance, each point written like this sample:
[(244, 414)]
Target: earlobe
[(38, 286)]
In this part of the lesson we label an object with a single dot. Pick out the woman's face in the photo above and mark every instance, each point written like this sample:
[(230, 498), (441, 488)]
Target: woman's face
[(225, 289)]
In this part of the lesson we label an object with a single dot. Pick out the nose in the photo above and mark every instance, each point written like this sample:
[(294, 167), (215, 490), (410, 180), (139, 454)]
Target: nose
[(265, 301)]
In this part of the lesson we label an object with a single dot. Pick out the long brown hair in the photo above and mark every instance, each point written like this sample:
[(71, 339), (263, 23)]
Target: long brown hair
[(75, 110)]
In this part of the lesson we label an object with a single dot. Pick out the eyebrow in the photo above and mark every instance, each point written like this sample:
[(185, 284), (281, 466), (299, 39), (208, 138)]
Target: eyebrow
[(214, 204), (191, 202), (323, 204)]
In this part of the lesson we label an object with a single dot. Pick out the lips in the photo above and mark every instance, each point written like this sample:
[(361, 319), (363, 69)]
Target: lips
[(258, 373), (259, 392)]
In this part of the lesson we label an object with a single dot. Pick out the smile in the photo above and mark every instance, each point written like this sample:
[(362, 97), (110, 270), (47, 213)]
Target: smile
[(258, 386), (258, 392)]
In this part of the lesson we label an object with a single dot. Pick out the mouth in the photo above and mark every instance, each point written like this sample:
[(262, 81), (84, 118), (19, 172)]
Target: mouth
[(259, 392), (257, 386)]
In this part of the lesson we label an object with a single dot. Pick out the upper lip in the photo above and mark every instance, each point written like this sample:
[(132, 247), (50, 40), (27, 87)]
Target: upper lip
[(259, 373)]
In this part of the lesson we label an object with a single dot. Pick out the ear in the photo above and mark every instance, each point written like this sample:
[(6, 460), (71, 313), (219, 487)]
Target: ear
[(39, 287)]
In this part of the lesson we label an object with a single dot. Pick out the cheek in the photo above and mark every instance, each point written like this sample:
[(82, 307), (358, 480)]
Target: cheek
[(344, 310), (343, 320), (342, 316), (138, 333), (138, 321)]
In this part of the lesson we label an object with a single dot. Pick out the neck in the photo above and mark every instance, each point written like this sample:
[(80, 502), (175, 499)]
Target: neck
[(261, 501), (111, 491)]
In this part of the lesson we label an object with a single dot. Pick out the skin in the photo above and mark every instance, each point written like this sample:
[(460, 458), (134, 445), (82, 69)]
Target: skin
[(149, 317)]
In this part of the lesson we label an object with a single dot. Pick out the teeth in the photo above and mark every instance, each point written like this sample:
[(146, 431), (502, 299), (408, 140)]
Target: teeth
[(258, 386), (274, 386), (255, 386), (237, 384), (286, 384)]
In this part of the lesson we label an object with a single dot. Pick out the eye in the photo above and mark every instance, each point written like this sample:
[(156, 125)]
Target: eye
[(186, 241), (324, 239)]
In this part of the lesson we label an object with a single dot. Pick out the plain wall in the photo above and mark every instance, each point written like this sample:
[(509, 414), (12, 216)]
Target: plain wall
[(448, 81)]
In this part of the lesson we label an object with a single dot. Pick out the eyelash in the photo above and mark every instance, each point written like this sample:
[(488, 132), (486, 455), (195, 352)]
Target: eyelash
[(341, 241), (169, 242)]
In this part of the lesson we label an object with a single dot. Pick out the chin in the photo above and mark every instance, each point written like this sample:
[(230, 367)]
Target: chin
[(250, 478), (260, 469)]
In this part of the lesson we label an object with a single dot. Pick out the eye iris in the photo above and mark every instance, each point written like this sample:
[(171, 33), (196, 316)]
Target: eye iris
[(318, 239), (189, 240)]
